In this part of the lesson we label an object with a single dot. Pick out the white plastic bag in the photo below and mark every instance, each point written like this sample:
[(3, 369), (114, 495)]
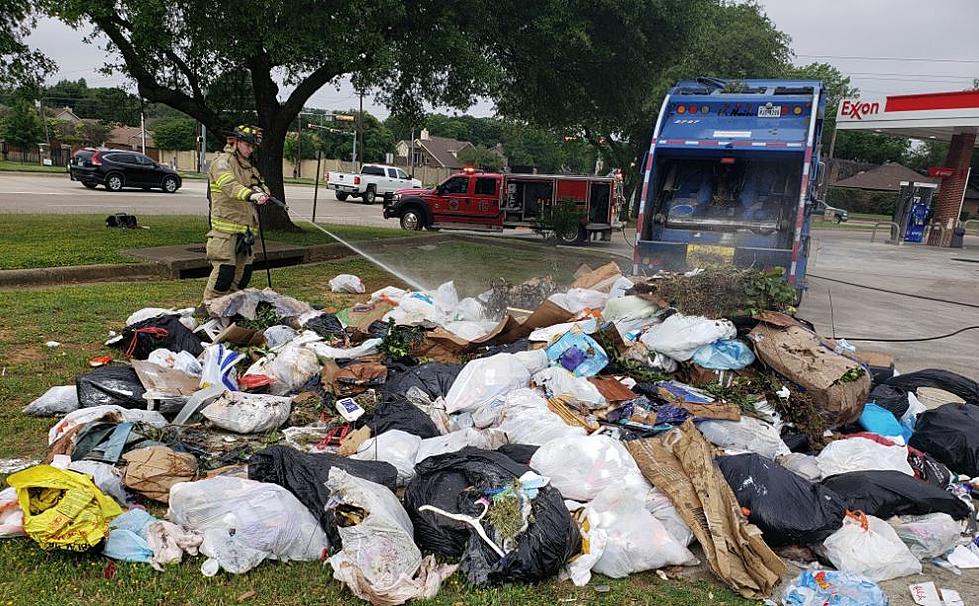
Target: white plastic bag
[(524, 417), (169, 542), (148, 312), (219, 367), (56, 401), (488, 439), (802, 465), (469, 310), (637, 541), (747, 435), (679, 336), (484, 379), (279, 335), (619, 287), (183, 361), (557, 381), (94, 413), (347, 283), (392, 293), (399, 448), (659, 504), (593, 541), (928, 536), (289, 368), (868, 546), (323, 350), (577, 300), (379, 559), (470, 330), (11, 515), (548, 333), (861, 454), (580, 467), (242, 412), (247, 518), (629, 308)]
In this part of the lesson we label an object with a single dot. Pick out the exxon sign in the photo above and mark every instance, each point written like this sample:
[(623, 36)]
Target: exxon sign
[(857, 109)]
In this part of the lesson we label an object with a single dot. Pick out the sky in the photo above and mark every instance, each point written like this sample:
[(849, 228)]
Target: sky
[(886, 46)]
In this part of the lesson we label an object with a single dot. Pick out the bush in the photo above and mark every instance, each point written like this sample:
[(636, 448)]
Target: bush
[(862, 201), (559, 218)]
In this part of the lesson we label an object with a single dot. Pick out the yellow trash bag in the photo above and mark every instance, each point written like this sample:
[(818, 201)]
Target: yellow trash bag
[(63, 509)]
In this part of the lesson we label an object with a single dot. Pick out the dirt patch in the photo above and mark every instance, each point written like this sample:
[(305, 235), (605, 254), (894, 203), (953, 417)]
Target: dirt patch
[(23, 355)]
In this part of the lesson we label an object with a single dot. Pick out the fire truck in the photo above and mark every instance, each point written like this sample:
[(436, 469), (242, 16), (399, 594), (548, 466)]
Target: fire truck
[(483, 201), (731, 177)]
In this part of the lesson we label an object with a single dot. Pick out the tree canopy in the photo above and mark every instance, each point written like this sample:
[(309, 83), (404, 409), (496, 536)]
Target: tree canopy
[(175, 134), (19, 65)]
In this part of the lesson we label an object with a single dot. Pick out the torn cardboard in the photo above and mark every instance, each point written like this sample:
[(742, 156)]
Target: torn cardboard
[(600, 279), (150, 472), (612, 390), (681, 464), (245, 337)]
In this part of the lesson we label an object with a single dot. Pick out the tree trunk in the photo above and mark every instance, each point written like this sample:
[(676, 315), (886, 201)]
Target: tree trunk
[(269, 164)]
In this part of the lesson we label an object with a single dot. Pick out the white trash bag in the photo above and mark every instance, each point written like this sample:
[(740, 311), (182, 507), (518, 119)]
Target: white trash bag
[(593, 541), (484, 379), (869, 547), (399, 448), (558, 381), (56, 401), (244, 519), (487, 439), (636, 540), (861, 454), (289, 368), (679, 336), (580, 467), (219, 367), (242, 412), (347, 283), (662, 508), (577, 300), (928, 536), (524, 417), (747, 435)]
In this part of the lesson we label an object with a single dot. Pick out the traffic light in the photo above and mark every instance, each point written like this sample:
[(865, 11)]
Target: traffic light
[(343, 118)]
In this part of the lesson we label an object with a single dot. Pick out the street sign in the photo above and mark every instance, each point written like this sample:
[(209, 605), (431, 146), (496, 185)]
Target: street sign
[(343, 118), (940, 171)]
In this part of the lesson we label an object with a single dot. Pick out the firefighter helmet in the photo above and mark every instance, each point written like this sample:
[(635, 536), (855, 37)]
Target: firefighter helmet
[(249, 134)]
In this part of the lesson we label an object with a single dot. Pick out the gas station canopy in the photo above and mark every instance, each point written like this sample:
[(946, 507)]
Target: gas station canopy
[(927, 116)]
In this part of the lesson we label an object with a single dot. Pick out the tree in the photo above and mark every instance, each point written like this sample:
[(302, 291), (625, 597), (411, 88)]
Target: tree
[(23, 127), (481, 157), (19, 65), (424, 52), (175, 134)]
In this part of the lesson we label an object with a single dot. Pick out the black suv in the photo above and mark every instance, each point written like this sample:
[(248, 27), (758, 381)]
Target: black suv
[(118, 168)]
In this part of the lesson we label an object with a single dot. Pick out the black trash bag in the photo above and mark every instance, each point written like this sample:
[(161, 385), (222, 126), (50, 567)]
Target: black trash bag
[(434, 379), (521, 453), (378, 329), (893, 393), (454, 482), (518, 346), (890, 493), (141, 338), (927, 469), (327, 326), (399, 413), (788, 509), (305, 475), (110, 384), (950, 434)]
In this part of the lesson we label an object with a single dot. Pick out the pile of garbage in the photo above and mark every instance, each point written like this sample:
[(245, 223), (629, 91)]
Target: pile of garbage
[(595, 430)]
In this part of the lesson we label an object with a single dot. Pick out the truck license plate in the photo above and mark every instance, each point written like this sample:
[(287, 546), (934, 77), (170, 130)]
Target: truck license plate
[(702, 255), (769, 111)]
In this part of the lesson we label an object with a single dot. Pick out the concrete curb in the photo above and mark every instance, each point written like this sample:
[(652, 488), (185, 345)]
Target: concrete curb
[(73, 274)]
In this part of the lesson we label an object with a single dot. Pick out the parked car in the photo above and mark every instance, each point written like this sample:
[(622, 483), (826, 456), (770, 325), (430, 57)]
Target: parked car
[(374, 180), (119, 168), (829, 213)]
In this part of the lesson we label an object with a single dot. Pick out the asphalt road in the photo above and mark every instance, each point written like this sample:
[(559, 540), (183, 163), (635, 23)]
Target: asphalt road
[(42, 193)]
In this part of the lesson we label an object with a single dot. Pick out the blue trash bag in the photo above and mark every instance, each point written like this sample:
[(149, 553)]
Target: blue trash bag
[(882, 422), (127, 540), (726, 354), (577, 353), (831, 588)]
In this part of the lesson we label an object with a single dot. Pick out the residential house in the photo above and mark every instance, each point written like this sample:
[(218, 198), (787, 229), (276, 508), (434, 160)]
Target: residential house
[(130, 137)]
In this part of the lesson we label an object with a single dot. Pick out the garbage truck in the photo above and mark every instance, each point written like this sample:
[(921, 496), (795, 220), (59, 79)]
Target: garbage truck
[(731, 177)]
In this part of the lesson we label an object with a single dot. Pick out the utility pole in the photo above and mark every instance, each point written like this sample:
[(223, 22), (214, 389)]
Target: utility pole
[(360, 124), (411, 154), (142, 127), (297, 169)]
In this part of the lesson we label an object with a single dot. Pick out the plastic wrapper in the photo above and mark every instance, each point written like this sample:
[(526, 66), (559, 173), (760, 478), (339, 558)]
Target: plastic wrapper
[(747, 435), (869, 547), (54, 402), (583, 466), (347, 283), (928, 536), (548, 333), (367, 348), (889, 493), (326, 325), (485, 379), (788, 509), (727, 354), (680, 336), (627, 308), (557, 381), (245, 303), (860, 454), (379, 559), (219, 367), (289, 368), (577, 353), (396, 447), (245, 522), (832, 588), (242, 412)]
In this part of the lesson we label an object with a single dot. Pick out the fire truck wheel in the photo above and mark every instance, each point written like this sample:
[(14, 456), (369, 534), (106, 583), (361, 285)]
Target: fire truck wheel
[(572, 235), (411, 221)]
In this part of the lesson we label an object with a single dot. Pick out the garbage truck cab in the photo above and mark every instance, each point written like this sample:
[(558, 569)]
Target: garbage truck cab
[(731, 177)]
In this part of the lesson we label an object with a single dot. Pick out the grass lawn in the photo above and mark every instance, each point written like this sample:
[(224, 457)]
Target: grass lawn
[(79, 317), (29, 167), (46, 241)]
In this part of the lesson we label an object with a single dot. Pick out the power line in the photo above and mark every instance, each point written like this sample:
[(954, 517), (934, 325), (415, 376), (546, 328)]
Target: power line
[(919, 59)]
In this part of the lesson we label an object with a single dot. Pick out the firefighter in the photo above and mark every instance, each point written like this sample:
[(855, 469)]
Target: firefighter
[(234, 189)]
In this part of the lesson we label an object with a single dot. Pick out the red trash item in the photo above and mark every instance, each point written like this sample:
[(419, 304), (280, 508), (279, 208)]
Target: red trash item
[(334, 436), (250, 382), (100, 361)]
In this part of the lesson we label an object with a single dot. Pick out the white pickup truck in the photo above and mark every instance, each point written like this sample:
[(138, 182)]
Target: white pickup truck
[(374, 180)]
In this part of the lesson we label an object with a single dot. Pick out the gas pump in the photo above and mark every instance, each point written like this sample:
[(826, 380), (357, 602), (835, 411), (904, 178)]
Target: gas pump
[(913, 208)]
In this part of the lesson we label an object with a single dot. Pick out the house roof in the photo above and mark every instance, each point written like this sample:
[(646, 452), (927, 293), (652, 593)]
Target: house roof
[(444, 150), (886, 177), (129, 136)]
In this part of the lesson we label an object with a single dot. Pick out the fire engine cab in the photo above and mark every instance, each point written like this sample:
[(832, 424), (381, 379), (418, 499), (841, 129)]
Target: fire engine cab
[(483, 201)]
